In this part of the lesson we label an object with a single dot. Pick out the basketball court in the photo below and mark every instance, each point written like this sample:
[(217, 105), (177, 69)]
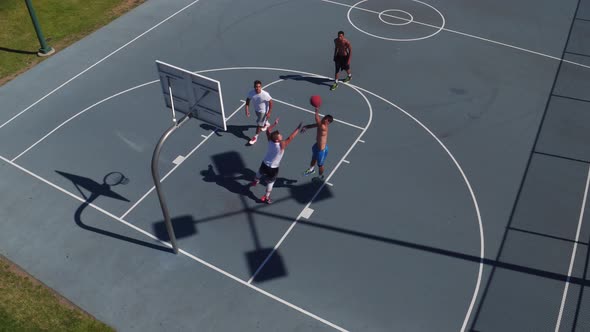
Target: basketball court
[(455, 190)]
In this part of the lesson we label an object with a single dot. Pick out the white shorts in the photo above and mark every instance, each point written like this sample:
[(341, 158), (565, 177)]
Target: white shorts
[(261, 119)]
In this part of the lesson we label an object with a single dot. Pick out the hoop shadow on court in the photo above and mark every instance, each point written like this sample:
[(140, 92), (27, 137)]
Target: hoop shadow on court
[(230, 169), (184, 226), (310, 79), (237, 131), (96, 190), (227, 170)]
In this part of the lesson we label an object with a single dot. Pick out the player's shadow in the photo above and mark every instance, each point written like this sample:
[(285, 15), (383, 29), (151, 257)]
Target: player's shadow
[(304, 192), (90, 190), (237, 131), (230, 171), (310, 79)]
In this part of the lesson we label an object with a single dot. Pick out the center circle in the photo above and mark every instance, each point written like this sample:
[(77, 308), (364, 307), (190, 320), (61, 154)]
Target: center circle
[(405, 20), (436, 27)]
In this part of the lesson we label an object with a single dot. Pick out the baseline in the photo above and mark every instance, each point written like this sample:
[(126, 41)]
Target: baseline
[(469, 35), (96, 63), (455, 162), (193, 257)]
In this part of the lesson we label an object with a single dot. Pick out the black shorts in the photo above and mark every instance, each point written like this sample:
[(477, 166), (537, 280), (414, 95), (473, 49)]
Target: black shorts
[(268, 172), (341, 63)]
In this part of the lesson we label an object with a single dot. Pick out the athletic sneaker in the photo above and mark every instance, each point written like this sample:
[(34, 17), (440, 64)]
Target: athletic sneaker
[(334, 86), (347, 79), (253, 183), (266, 200), (253, 140), (266, 125), (309, 171)]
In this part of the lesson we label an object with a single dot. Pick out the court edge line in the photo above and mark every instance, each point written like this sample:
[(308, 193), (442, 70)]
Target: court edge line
[(473, 198), (276, 247), (76, 115), (470, 35), (262, 291), (96, 207), (478, 283), (98, 62), (191, 256), (573, 258)]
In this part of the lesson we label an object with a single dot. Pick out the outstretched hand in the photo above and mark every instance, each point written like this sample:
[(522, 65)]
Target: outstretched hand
[(276, 121)]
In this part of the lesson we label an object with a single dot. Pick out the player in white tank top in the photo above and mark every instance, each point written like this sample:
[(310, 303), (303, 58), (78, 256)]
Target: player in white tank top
[(274, 153)]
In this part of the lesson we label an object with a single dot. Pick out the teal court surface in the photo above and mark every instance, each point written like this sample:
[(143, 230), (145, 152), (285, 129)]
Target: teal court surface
[(455, 190)]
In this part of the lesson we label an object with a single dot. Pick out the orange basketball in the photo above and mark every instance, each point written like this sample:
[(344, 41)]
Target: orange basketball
[(315, 101)]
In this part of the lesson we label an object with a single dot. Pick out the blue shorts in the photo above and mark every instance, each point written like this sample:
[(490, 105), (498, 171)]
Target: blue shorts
[(318, 155)]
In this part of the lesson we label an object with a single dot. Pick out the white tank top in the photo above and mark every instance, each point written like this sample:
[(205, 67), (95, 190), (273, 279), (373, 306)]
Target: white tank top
[(273, 154)]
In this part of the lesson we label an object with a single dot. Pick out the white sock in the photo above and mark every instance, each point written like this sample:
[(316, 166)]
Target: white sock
[(269, 188)]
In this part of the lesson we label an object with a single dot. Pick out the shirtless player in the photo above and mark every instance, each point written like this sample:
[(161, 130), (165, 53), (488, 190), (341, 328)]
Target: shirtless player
[(320, 148), (342, 54)]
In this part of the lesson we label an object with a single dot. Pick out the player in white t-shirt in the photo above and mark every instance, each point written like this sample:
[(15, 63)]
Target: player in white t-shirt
[(262, 103), (269, 168)]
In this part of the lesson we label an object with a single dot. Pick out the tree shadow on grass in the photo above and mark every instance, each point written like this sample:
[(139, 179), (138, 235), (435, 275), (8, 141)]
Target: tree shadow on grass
[(12, 50)]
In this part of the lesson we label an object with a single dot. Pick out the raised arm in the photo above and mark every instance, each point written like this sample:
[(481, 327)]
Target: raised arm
[(270, 128), (318, 120), (286, 142)]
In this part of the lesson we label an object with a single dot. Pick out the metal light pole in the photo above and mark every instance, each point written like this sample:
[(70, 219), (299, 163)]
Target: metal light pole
[(45, 49)]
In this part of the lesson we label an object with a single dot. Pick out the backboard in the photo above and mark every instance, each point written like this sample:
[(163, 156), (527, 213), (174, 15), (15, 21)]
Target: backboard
[(192, 93)]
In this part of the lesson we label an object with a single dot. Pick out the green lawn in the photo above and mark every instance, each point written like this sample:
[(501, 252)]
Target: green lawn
[(62, 22), (26, 304)]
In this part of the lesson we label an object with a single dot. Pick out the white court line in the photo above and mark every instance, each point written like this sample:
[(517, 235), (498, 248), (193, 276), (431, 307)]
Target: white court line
[(173, 169), (207, 136), (473, 199), (346, 161), (76, 115), (276, 247), (312, 112), (84, 201), (467, 35), (573, 258), (455, 162), (191, 256), (99, 61), (187, 156)]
